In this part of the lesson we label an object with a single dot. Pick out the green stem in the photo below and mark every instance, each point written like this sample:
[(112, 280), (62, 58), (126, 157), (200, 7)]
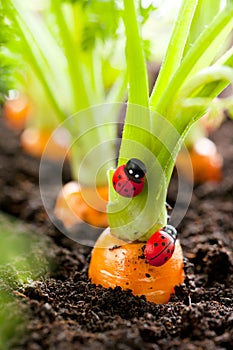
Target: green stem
[(81, 99), (191, 109), (138, 89), (97, 76), (204, 77), (198, 57), (93, 148), (138, 217), (214, 89), (204, 14), (175, 50), (203, 49), (117, 93), (33, 52), (131, 218)]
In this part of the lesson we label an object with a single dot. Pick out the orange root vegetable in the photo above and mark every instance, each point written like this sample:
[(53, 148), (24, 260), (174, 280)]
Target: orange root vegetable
[(117, 263), (206, 162), (34, 141), (15, 112), (76, 204)]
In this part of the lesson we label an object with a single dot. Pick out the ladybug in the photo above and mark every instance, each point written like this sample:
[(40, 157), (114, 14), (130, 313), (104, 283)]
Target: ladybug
[(161, 245), (128, 179)]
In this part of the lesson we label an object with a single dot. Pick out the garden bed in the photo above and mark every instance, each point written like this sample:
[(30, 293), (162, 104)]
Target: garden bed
[(67, 312)]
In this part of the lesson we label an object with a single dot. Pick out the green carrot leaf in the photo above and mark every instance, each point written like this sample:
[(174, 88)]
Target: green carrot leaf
[(174, 53)]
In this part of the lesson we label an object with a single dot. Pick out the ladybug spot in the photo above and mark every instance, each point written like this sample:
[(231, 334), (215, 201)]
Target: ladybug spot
[(126, 190), (119, 176), (114, 183), (119, 184), (162, 237), (163, 243), (155, 244), (168, 251), (165, 259), (134, 188)]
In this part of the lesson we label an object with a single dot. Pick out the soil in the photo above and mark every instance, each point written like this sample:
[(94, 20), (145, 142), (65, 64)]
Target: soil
[(68, 312)]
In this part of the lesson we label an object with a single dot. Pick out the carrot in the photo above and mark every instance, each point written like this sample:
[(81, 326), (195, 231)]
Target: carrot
[(205, 160), (15, 111), (34, 141), (117, 263), (186, 84), (76, 204)]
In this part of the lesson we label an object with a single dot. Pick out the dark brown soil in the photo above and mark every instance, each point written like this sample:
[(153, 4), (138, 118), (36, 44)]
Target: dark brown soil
[(68, 312)]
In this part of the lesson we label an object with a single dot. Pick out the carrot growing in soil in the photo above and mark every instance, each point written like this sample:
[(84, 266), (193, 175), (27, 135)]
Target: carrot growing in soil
[(154, 130), (205, 159), (16, 109), (38, 132), (70, 47), (66, 48)]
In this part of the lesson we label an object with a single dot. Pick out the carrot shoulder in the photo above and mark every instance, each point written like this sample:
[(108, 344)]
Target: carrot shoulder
[(15, 112), (76, 204), (206, 162), (34, 141), (117, 263)]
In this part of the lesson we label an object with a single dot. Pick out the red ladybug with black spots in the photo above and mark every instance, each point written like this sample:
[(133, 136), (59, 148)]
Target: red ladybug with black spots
[(128, 180), (161, 245)]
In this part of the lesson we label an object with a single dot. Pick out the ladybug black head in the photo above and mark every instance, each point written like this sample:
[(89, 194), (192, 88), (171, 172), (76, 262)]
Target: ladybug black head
[(171, 231), (135, 169)]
